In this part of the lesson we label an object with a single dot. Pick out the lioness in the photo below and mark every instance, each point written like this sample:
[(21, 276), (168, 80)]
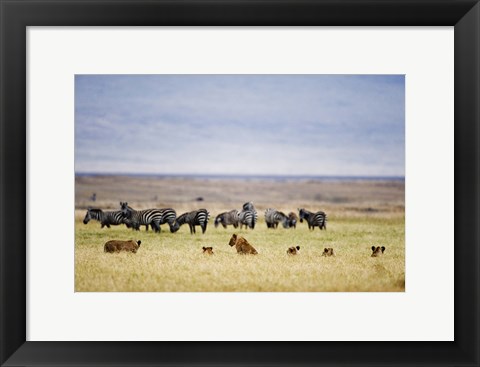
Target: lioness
[(117, 246), (328, 252), (293, 250), (207, 250), (242, 245), (377, 251)]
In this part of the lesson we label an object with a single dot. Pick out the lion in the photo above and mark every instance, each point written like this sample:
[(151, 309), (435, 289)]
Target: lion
[(207, 250), (293, 250), (377, 251), (117, 246), (328, 252), (242, 245)]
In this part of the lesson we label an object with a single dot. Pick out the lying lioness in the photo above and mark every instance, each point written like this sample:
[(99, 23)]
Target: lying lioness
[(117, 246), (293, 250)]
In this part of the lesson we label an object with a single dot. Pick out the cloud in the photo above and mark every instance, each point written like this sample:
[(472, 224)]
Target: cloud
[(240, 124)]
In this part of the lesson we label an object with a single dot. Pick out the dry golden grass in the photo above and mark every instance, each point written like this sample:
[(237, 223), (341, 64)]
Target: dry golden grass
[(370, 213), (175, 262)]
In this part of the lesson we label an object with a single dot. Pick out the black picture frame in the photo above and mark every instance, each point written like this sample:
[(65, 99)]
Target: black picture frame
[(16, 15)]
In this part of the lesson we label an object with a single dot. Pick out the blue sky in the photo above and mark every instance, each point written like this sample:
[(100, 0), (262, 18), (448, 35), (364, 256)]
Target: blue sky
[(352, 125)]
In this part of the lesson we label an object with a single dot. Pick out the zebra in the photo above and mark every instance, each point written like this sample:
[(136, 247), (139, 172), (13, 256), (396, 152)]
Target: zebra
[(318, 219), (153, 217), (292, 220), (169, 216), (136, 218), (195, 218), (273, 217), (105, 218), (127, 221), (227, 218), (248, 216)]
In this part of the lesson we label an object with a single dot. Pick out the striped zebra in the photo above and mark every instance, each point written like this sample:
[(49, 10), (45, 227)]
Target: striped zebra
[(273, 217), (318, 219), (227, 218), (169, 216), (128, 222), (153, 217), (105, 218), (292, 220), (195, 218), (248, 216)]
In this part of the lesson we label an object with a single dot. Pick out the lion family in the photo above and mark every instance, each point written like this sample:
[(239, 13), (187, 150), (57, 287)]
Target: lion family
[(241, 245)]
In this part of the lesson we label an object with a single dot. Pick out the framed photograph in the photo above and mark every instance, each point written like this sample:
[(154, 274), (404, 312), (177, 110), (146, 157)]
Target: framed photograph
[(169, 172), (245, 160)]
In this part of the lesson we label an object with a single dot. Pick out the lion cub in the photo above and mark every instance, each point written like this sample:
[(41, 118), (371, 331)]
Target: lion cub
[(242, 245), (328, 252), (377, 251), (208, 250), (117, 246), (293, 250)]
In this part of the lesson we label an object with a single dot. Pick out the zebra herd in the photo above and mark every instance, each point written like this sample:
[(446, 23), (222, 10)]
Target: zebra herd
[(246, 217)]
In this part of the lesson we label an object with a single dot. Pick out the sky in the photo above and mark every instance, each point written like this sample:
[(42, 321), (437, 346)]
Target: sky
[(313, 125)]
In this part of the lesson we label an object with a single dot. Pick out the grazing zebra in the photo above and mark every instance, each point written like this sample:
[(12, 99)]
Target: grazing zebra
[(195, 218), (249, 206), (292, 220), (227, 218), (248, 216), (128, 222), (273, 217), (318, 219), (105, 218), (168, 216), (153, 217), (136, 218)]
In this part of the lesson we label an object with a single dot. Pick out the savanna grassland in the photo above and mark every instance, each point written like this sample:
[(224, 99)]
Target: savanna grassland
[(360, 214)]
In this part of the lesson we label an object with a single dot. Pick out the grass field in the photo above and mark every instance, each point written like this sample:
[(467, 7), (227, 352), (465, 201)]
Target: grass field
[(169, 262)]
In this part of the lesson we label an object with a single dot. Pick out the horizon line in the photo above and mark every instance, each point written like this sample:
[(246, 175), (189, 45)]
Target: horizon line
[(235, 175)]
